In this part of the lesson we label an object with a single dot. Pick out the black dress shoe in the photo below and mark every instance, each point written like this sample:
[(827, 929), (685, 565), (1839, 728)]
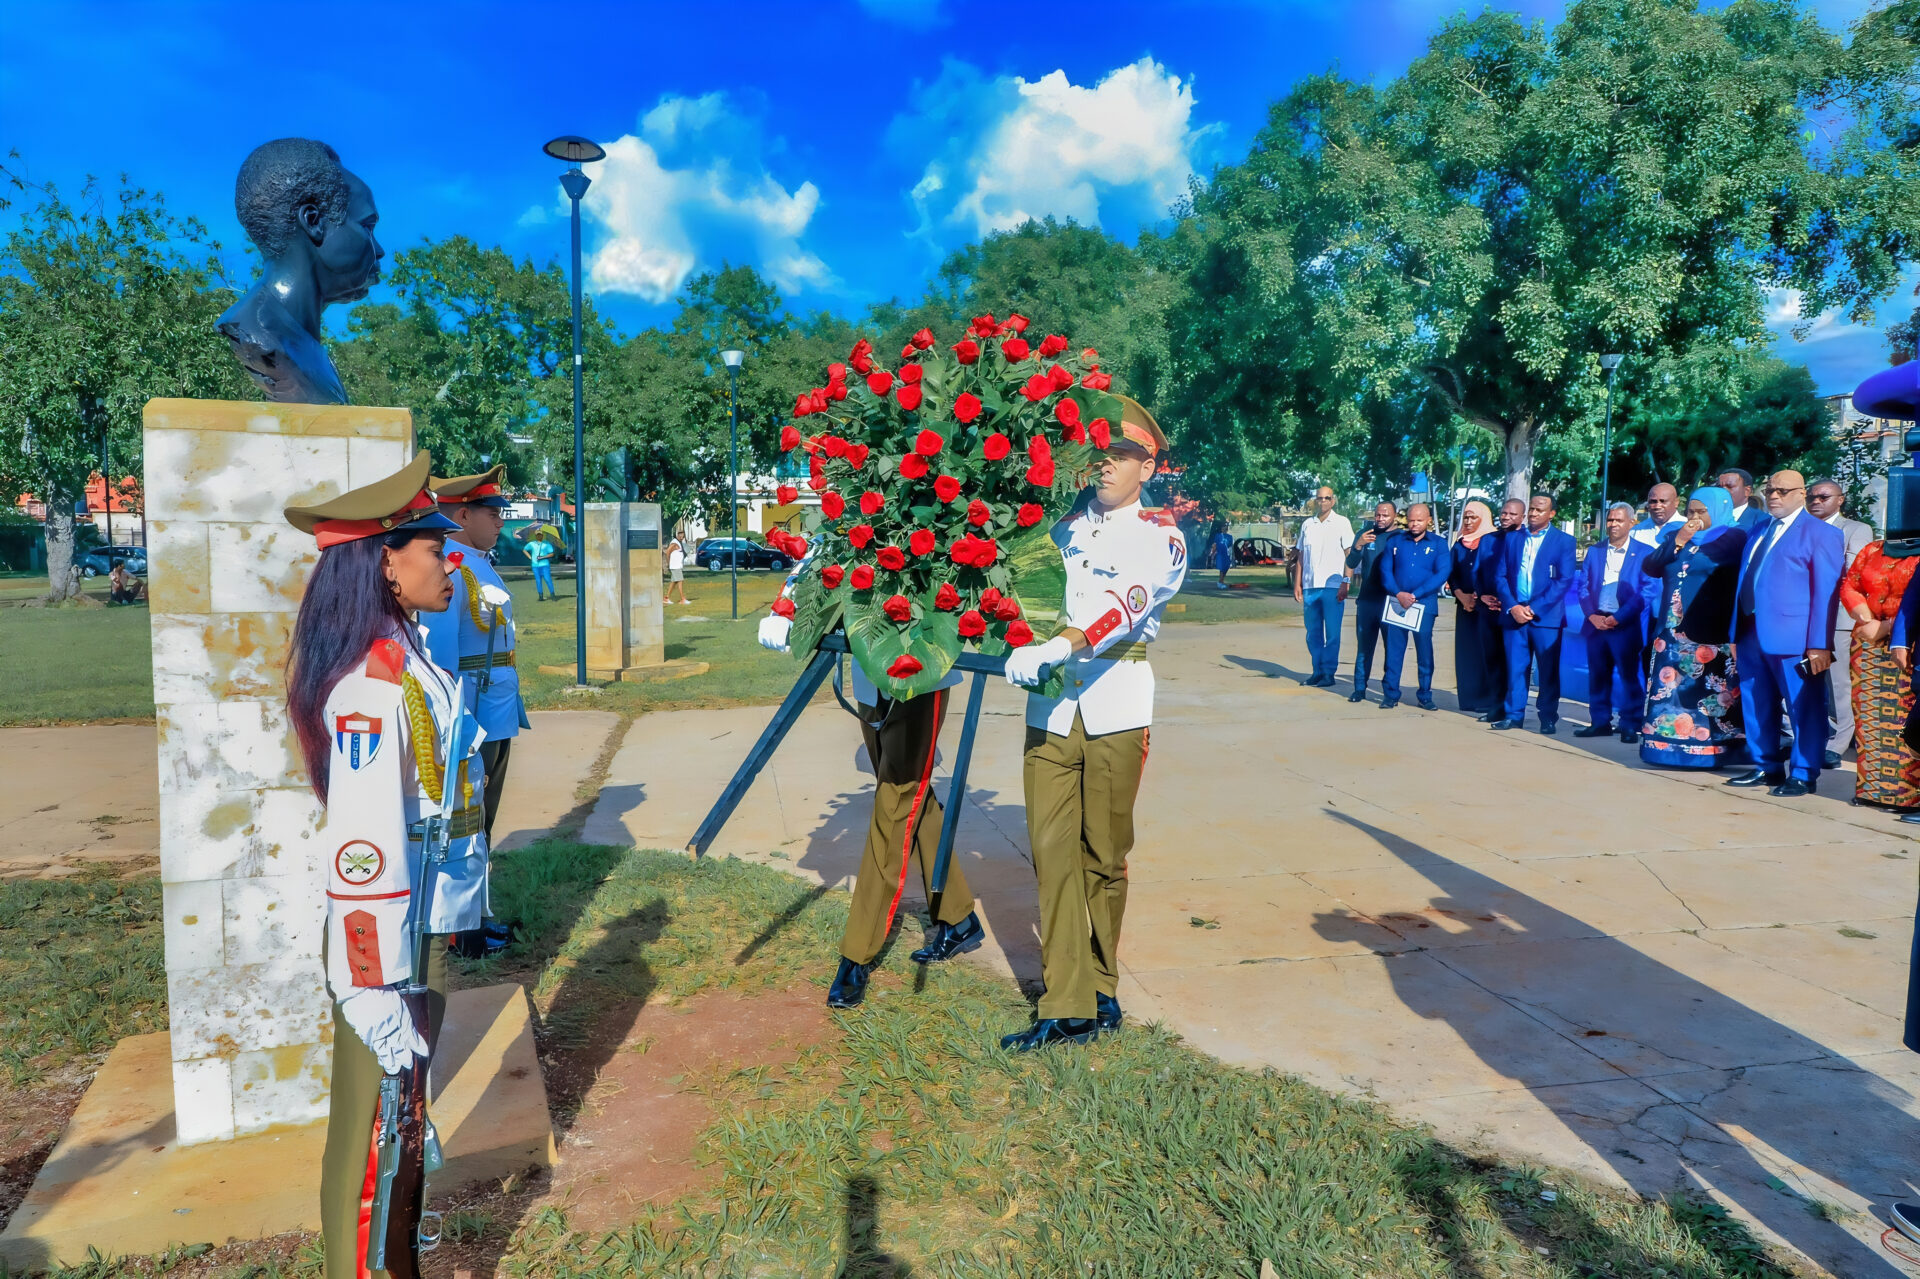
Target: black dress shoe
[(1793, 788), (1906, 1219), (1757, 778), (1832, 760), (1388, 703), (1108, 1014), (849, 984), (1629, 735), (1427, 704), (944, 941), (1052, 1030), (1594, 730), (1487, 717), (1503, 725), (1549, 727), (1357, 695)]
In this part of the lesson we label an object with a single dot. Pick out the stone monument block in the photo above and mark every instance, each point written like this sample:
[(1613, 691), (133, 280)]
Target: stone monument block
[(240, 863), (622, 555)]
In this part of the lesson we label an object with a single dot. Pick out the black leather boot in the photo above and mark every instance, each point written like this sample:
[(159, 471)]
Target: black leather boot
[(944, 941), (1052, 1030), (849, 984), (1108, 1013)]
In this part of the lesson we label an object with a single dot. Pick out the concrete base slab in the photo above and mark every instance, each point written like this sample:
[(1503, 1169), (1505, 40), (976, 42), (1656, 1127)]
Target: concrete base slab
[(550, 761), (119, 1181), (651, 673)]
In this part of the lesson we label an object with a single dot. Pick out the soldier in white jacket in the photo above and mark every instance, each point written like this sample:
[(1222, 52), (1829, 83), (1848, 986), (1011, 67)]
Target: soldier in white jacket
[(372, 713), (1087, 748)]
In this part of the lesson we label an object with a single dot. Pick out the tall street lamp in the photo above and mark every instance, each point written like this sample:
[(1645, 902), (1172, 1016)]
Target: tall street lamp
[(577, 151), (1609, 363), (733, 361)]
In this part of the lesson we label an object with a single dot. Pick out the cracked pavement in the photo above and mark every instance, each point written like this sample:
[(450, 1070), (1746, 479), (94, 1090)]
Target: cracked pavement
[(1535, 945)]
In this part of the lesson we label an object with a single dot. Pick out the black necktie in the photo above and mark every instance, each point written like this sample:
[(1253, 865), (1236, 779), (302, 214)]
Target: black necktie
[(1753, 574)]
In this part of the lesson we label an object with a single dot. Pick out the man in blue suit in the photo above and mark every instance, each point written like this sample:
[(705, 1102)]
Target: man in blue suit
[(1536, 570), (1747, 513), (1613, 599), (1492, 613), (1413, 570), (1783, 637)]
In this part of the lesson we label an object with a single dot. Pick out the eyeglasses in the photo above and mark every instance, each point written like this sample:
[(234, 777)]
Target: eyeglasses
[(1323, 497), (1771, 491)]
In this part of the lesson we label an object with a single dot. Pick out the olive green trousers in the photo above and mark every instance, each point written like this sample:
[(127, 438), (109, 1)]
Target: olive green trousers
[(905, 824), (346, 1185), (1080, 792)]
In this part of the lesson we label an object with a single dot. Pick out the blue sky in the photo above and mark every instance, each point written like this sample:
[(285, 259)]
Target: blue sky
[(842, 147)]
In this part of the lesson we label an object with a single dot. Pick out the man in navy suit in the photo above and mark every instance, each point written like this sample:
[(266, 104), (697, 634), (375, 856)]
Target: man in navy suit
[(1536, 570), (1783, 637), (1612, 591), (1492, 613), (1747, 513), (1413, 570)]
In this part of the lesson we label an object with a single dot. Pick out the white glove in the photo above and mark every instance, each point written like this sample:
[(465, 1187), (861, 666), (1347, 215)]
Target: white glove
[(380, 1018), (1025, 664), (494, 595), (773, 632)]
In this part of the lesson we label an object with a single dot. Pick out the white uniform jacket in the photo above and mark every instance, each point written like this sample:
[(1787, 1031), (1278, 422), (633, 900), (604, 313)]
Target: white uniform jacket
[(1122, 568), (376, 796), (457, 641)]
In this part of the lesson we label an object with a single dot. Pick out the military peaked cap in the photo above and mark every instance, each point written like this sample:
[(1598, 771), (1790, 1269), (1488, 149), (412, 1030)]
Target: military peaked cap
[(401, 501), (472, 490)]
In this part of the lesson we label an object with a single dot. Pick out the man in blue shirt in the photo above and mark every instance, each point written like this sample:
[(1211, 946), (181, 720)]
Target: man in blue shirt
[(1536, 568), (1412, 571), (1612, 601)]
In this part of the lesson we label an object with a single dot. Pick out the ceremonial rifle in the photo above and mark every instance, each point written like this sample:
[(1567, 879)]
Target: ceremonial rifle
[(399, 1227)]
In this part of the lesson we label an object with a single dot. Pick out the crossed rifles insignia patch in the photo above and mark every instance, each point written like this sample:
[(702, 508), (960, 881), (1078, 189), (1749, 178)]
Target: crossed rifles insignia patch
[(357, 739)]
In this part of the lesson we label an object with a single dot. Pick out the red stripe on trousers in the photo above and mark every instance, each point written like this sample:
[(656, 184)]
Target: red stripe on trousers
[(367, 1185), (919, 795)]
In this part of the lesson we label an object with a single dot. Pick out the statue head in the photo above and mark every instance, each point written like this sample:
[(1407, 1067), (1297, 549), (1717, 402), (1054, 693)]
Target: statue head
[(301, 207)]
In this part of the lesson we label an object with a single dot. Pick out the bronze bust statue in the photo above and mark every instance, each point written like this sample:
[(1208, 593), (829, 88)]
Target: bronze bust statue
[(313, 222)]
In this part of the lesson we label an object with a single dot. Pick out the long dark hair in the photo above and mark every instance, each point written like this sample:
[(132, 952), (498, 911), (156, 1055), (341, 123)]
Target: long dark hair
[(349, 604)]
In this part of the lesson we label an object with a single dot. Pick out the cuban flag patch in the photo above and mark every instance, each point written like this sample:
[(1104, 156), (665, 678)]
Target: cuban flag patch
[(356, 739)]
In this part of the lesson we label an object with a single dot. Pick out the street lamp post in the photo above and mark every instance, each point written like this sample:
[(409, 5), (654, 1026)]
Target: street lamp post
[(1609, 363), (733, 361), (577, 151)]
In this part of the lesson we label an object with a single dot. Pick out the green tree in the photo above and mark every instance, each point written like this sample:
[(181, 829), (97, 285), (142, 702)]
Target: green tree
[(104, 305), (1756, 411)]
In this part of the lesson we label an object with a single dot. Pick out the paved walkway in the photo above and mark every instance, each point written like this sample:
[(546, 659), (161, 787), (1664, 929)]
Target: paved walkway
[(1534, 944)]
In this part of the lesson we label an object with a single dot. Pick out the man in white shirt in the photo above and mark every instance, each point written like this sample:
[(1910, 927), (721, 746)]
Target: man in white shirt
[(1824, 500), (1663, 517), (1320, 585), (1747, 513)]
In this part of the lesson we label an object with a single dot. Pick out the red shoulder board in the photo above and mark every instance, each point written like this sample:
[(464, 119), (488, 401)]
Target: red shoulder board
[(386, 660), (1159, 515)]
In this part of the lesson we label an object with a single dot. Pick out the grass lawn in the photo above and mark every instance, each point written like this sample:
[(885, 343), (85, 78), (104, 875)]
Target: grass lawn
[(75, 664), (904, 1142)]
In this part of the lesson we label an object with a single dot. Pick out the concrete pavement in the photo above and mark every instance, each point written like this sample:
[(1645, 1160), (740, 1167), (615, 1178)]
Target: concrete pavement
[(1534, 944)]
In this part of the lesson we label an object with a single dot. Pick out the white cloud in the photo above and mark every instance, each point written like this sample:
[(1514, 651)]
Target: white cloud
[(690, 188), (1011, 149)]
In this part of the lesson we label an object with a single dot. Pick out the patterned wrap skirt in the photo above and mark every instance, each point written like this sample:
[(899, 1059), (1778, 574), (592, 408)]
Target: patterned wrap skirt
[(1693, 705), (1882, 700)]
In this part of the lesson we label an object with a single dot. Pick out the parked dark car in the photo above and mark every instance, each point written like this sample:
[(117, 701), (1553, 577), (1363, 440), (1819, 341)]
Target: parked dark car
[(717, 554), (98, 561), (1253, 552)]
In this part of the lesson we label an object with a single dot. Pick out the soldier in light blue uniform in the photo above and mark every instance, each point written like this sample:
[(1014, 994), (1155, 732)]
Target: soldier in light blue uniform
[(475, 636)]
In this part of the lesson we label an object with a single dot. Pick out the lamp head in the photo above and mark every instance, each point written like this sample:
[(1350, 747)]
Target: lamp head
[(1611, 362), (575, 150), (733, 359)]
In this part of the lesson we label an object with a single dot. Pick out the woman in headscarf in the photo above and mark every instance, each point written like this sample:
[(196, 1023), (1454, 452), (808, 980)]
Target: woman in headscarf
[(1693, 712), (1882, 692), (1479, 668)]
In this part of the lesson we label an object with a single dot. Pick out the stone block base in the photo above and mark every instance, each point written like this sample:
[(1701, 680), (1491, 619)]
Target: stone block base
[(653, 673), (120, 1181)]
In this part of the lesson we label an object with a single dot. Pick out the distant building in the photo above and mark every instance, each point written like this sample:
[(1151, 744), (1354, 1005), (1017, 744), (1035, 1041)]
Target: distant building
[(1871, 444)]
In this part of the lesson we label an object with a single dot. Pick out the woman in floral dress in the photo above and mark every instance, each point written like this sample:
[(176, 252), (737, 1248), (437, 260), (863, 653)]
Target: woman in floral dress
[(1693, 712), (1882, 692)]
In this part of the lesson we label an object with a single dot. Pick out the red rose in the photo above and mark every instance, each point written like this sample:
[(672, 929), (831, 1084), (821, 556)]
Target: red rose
[(963, 549), (832, 505), (923, 339), (783, 607), (856, 455), (1075, 434), (913, 467), (946, 599), (985, 553), (1016, 322), (911, 374), (871, 502), (860, 348), (966, 407), (835, 446), (891, 557), (1060, 376), (1052, 345), (862, 364), (860, 535), (1067, 412), (898, 607), (928, 444), (1007, 609), (1102, 433), (819, 397), (978, 512), (1031, 513), (880, 383), (972, 625), (966, 350), (832, 575), (836, 373), (785, 493), (904, 666), (789, 438), (946, 488), (996, 446), (816, 474), (1019, 634), (920, 541), (1038, 450), (1015, 349), (989, 598), (1090, 356), (863, 577), (1036, 388), (983, 326), (836, 390), (907, 352), (1041, 473), (909, 397), (1096, 381), (803, 405)]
